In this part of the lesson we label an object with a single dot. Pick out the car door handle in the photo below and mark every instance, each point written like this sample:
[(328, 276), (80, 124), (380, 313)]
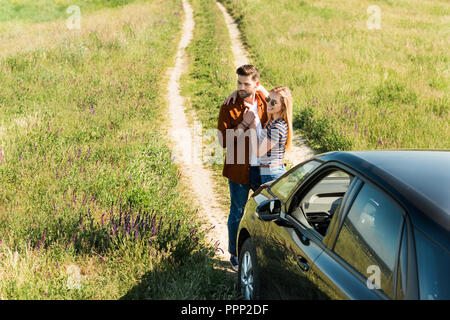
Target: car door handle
[(303, 263)]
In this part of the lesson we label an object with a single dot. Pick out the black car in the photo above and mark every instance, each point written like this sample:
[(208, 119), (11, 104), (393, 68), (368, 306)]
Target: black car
[(350, 225)]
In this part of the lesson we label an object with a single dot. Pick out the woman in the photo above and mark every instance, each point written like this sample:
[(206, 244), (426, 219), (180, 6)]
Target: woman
[(276, 137)]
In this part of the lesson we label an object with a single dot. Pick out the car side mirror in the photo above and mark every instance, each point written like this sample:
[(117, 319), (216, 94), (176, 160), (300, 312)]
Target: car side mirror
[(269, 210)]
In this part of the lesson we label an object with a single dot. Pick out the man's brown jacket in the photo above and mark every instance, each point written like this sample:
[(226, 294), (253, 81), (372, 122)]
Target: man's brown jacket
[(230, 116)]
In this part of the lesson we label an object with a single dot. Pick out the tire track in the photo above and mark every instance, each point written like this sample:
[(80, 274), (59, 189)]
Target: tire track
[(187, 147)]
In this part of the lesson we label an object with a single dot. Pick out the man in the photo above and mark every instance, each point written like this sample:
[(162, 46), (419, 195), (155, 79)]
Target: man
[(239, 124)]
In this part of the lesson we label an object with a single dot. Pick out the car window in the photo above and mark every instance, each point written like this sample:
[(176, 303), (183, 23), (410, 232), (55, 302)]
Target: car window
[(318, 206), (284, 186), (433, 265), (370, 236)]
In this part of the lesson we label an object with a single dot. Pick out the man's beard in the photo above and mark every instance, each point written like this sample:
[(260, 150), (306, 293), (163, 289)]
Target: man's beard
[(244, 94)]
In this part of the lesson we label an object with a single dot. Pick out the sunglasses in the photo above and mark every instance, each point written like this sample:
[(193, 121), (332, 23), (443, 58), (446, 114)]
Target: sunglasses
[(272, 102)]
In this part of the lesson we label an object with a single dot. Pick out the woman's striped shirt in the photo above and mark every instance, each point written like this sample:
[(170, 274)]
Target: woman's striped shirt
[(277, 132)]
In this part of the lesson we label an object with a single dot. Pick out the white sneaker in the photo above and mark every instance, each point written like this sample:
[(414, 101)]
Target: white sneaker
[(234, 263)]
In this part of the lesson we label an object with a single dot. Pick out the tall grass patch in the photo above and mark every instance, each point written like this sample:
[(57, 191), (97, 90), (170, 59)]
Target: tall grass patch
[(355, 87), (90, 201)]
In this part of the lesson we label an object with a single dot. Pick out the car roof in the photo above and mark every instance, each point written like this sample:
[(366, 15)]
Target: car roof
[(421, 178)]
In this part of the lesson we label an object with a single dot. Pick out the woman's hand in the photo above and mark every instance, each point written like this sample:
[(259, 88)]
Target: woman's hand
[(232, 96), (263, 90)]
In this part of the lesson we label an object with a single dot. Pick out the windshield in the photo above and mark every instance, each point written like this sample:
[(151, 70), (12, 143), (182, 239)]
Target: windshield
[(284, 186)]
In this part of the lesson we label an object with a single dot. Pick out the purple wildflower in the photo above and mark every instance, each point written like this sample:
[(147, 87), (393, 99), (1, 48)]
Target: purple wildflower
[(154, 228)]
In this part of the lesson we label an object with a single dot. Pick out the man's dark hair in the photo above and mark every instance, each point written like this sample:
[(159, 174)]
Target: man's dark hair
[(248, 70)]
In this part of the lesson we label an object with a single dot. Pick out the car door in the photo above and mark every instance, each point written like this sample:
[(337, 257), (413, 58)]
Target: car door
[(361, 261), (271, 250), (294, 245)]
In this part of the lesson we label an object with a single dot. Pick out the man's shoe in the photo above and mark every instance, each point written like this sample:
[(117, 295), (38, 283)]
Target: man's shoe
[(234, 263)]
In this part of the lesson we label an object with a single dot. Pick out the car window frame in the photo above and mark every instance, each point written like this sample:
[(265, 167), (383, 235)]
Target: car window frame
[(315, 177), (405, 224)]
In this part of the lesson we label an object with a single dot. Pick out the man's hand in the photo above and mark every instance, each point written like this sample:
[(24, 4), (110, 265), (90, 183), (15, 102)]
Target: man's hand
[(249, 117)]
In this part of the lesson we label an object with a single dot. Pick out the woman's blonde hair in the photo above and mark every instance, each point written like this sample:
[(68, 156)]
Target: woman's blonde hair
[(286, 100)]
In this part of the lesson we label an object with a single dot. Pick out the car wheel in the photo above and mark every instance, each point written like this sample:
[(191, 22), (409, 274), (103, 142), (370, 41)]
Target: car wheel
[(248, 276)]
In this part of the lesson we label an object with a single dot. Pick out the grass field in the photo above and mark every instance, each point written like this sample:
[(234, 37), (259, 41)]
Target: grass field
[(90, 201), (91, 205), (15, 11), (356, 87)]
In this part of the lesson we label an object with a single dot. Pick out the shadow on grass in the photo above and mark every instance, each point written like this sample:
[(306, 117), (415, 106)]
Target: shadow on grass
[(198, 277)]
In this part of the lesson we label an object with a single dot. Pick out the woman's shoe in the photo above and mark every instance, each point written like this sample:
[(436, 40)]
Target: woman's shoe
[(234, 263)]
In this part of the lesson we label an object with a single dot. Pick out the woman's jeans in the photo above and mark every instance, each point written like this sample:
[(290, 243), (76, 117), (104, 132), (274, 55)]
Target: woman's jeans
[(239, 196), (271, 173)]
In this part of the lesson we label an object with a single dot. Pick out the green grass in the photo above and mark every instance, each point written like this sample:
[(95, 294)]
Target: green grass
[(355, 88), (89, 192), (46, 10)]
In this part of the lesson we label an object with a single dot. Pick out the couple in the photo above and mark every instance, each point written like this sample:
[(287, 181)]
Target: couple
[(255, 126)]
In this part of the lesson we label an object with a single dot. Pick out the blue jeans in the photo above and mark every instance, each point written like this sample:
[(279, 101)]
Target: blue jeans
[(272, 173), (239, 196)]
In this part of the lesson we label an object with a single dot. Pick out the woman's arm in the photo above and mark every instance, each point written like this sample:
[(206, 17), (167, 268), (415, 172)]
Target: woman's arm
[(263, 90), (232, 96)]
